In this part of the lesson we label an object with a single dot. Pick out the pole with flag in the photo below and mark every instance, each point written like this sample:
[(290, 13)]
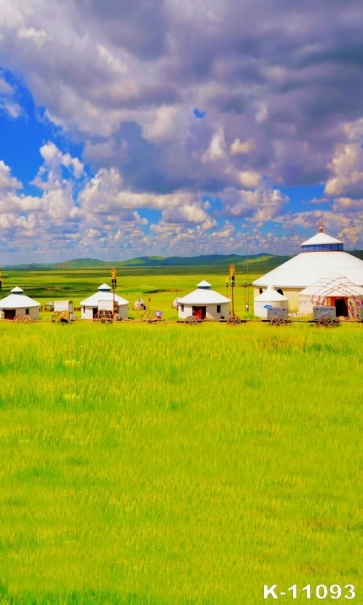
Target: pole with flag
[(114, 284), (232, 278)]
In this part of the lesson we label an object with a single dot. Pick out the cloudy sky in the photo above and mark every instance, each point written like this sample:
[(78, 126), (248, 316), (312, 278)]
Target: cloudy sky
[(162, 127)]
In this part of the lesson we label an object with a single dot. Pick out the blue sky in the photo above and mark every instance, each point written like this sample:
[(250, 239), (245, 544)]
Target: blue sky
[(159, 127)]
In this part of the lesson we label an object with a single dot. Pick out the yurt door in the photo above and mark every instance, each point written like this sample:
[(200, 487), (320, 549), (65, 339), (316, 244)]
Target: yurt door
[(341, 307), (9, 313), (199, 312)]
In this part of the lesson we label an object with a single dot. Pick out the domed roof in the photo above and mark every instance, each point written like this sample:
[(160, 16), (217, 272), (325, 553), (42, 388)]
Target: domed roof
[(204, 285), (321, 238), (18, 300), (104, 288), (203, 295)]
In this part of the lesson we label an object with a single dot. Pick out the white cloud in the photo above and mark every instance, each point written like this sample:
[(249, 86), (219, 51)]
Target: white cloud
[(249, 178), (347, 167), (37, 37), (104, 194), (162, 123), (226, 232), (111, 60), (262, 204), (217, 148), (50, 174), (187, 213), (242, 147), (7, 182), (5, 88)]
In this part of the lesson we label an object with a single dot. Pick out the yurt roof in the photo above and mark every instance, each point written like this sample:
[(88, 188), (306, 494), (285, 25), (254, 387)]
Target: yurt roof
[(337, 285), (203, 296), (321, 238), (103, 294), (270, 295), (104, 288), (204, 284), (18, 300), (307, 267)]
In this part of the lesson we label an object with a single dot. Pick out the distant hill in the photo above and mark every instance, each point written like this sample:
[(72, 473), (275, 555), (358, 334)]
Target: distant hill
[(81, 262), (259, 263), (156, 261), (357, 253), (185, 261)]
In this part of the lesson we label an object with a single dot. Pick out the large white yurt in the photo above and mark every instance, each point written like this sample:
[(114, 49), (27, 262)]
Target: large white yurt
[(18, 303), (268, 298), (103, 299), (320, 256), (333, 291), (204, 303)]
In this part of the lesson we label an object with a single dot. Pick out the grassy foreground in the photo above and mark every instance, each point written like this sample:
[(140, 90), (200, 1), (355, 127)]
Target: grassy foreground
[(164, 464)]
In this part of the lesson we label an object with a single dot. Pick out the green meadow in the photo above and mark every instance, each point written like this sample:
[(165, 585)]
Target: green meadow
[(169, 465)]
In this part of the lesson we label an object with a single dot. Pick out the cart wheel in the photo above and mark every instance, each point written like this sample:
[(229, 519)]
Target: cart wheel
[(18, 318), (277, 321), (191, 320), (233, 320), (323, 322), (27, 319), (104, 315)]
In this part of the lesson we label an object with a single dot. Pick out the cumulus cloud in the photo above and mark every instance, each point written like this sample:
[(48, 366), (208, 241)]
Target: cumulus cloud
[(262, 204), (280, 98), (152, 62), (217, 148), (50, 173), (244, 147), (187, 213), (249, 178), (347, 168), (7, 182)]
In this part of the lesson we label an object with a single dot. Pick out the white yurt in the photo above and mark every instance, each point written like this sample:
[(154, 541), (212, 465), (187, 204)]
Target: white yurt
[(17, 303), (320, 256), (268, 298), (204, 303), (104, 299), (332, 291), (139, 305)]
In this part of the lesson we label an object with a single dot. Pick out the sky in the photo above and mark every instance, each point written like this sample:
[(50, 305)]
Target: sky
[(178, 127)]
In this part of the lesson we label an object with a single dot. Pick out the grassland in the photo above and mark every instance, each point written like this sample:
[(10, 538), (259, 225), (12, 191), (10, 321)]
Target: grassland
[(166, 464)]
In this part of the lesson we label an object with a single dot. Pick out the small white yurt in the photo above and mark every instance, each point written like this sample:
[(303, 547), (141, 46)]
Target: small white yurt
[(104, 299), (17, 303), (204, 303), (333, 291), (269, 298), (139, 305)]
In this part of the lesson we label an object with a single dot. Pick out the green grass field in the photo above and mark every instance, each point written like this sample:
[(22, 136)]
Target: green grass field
[(167, 464), (170, 464)]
